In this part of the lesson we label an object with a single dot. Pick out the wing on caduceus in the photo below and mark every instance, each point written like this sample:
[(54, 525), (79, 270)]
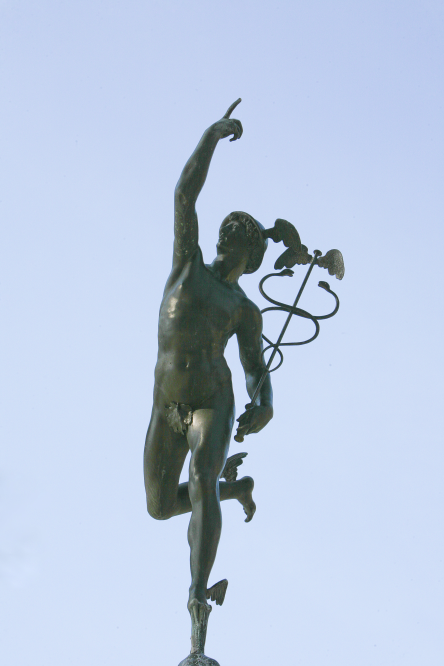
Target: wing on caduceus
[(334, 262), (296, 253), (289, 258)]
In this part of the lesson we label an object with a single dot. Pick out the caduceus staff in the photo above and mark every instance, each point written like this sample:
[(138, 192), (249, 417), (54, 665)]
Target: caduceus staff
[(296, 253)]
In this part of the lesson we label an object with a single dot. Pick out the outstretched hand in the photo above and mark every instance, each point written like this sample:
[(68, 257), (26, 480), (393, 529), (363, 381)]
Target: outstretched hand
[(253, 420), (227, 126)]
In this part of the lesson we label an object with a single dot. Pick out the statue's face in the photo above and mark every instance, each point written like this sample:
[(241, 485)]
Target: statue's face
[(233, 240)]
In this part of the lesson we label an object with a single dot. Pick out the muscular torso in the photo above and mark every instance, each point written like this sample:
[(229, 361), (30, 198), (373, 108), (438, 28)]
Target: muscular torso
[(198, 315)]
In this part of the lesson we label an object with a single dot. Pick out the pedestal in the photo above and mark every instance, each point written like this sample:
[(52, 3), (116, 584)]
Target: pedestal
[(198, 660)]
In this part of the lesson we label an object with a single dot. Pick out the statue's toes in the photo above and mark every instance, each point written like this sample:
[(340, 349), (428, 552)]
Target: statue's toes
[(250, 510)]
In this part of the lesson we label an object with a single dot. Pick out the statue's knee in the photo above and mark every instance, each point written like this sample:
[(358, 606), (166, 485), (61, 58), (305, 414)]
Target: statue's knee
[(153, 510), (157, 510)]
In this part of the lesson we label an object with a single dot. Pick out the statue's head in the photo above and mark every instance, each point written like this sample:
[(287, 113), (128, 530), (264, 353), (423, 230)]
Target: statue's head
[(240, 233)]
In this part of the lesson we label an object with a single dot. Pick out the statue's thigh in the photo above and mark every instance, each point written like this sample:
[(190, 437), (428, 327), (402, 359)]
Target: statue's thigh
[(209, 436), (164, 456)]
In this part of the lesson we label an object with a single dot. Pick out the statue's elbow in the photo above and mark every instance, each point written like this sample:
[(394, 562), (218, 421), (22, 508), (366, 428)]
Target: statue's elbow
[(180, 198)]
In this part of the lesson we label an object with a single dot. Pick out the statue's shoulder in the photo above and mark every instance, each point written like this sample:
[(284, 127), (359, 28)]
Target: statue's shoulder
[(249, 309), (185, 265)]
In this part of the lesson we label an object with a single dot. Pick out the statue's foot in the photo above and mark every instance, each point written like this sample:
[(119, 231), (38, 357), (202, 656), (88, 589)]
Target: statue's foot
[(200, 612), (246, 497), (198, 660)]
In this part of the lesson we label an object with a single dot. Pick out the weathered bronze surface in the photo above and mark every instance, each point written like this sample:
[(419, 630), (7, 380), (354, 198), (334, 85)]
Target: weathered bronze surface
[(193, 404)]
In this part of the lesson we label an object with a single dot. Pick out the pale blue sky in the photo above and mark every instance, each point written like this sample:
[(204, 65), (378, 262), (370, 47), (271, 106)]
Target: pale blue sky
[(102, 103)]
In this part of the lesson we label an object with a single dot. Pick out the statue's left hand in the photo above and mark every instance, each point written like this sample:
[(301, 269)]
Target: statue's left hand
[(254, 419)]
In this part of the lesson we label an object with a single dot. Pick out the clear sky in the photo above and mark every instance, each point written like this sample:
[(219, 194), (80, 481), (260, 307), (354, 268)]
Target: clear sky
[(102, 104)]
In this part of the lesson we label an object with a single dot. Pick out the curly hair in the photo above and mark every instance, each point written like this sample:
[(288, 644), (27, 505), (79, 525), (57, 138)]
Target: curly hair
[(254, 238)]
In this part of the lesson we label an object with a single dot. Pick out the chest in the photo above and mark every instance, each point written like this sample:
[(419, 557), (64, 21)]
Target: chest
[(199, 299)]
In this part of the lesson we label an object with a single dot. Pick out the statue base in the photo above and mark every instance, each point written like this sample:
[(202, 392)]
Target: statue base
[(198, 660)]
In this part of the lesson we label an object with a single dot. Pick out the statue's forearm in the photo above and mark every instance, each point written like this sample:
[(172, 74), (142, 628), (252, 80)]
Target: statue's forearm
[(195, 171), (265, 397)]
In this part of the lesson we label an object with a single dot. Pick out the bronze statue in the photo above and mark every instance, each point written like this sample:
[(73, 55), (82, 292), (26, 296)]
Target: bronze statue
[(193, 404)]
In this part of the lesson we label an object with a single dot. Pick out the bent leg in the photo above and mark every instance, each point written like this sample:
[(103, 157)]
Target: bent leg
[(242, 490), (164, 456)]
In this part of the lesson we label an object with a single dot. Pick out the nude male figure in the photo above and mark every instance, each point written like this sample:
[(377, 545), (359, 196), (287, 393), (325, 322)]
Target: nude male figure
[(193, 405)]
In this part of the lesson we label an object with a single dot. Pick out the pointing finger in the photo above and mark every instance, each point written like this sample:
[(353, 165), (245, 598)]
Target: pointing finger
[(232, 107)]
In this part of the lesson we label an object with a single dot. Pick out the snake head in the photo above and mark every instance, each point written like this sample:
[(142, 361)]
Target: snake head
[(286, 273), (324, 285)]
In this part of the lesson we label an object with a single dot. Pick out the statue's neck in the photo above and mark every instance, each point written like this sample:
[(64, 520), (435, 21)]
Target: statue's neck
[(226, 273)]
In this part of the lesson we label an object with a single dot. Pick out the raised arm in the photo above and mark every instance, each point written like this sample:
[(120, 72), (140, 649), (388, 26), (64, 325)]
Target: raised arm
[(249, 336), (192, 180)]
